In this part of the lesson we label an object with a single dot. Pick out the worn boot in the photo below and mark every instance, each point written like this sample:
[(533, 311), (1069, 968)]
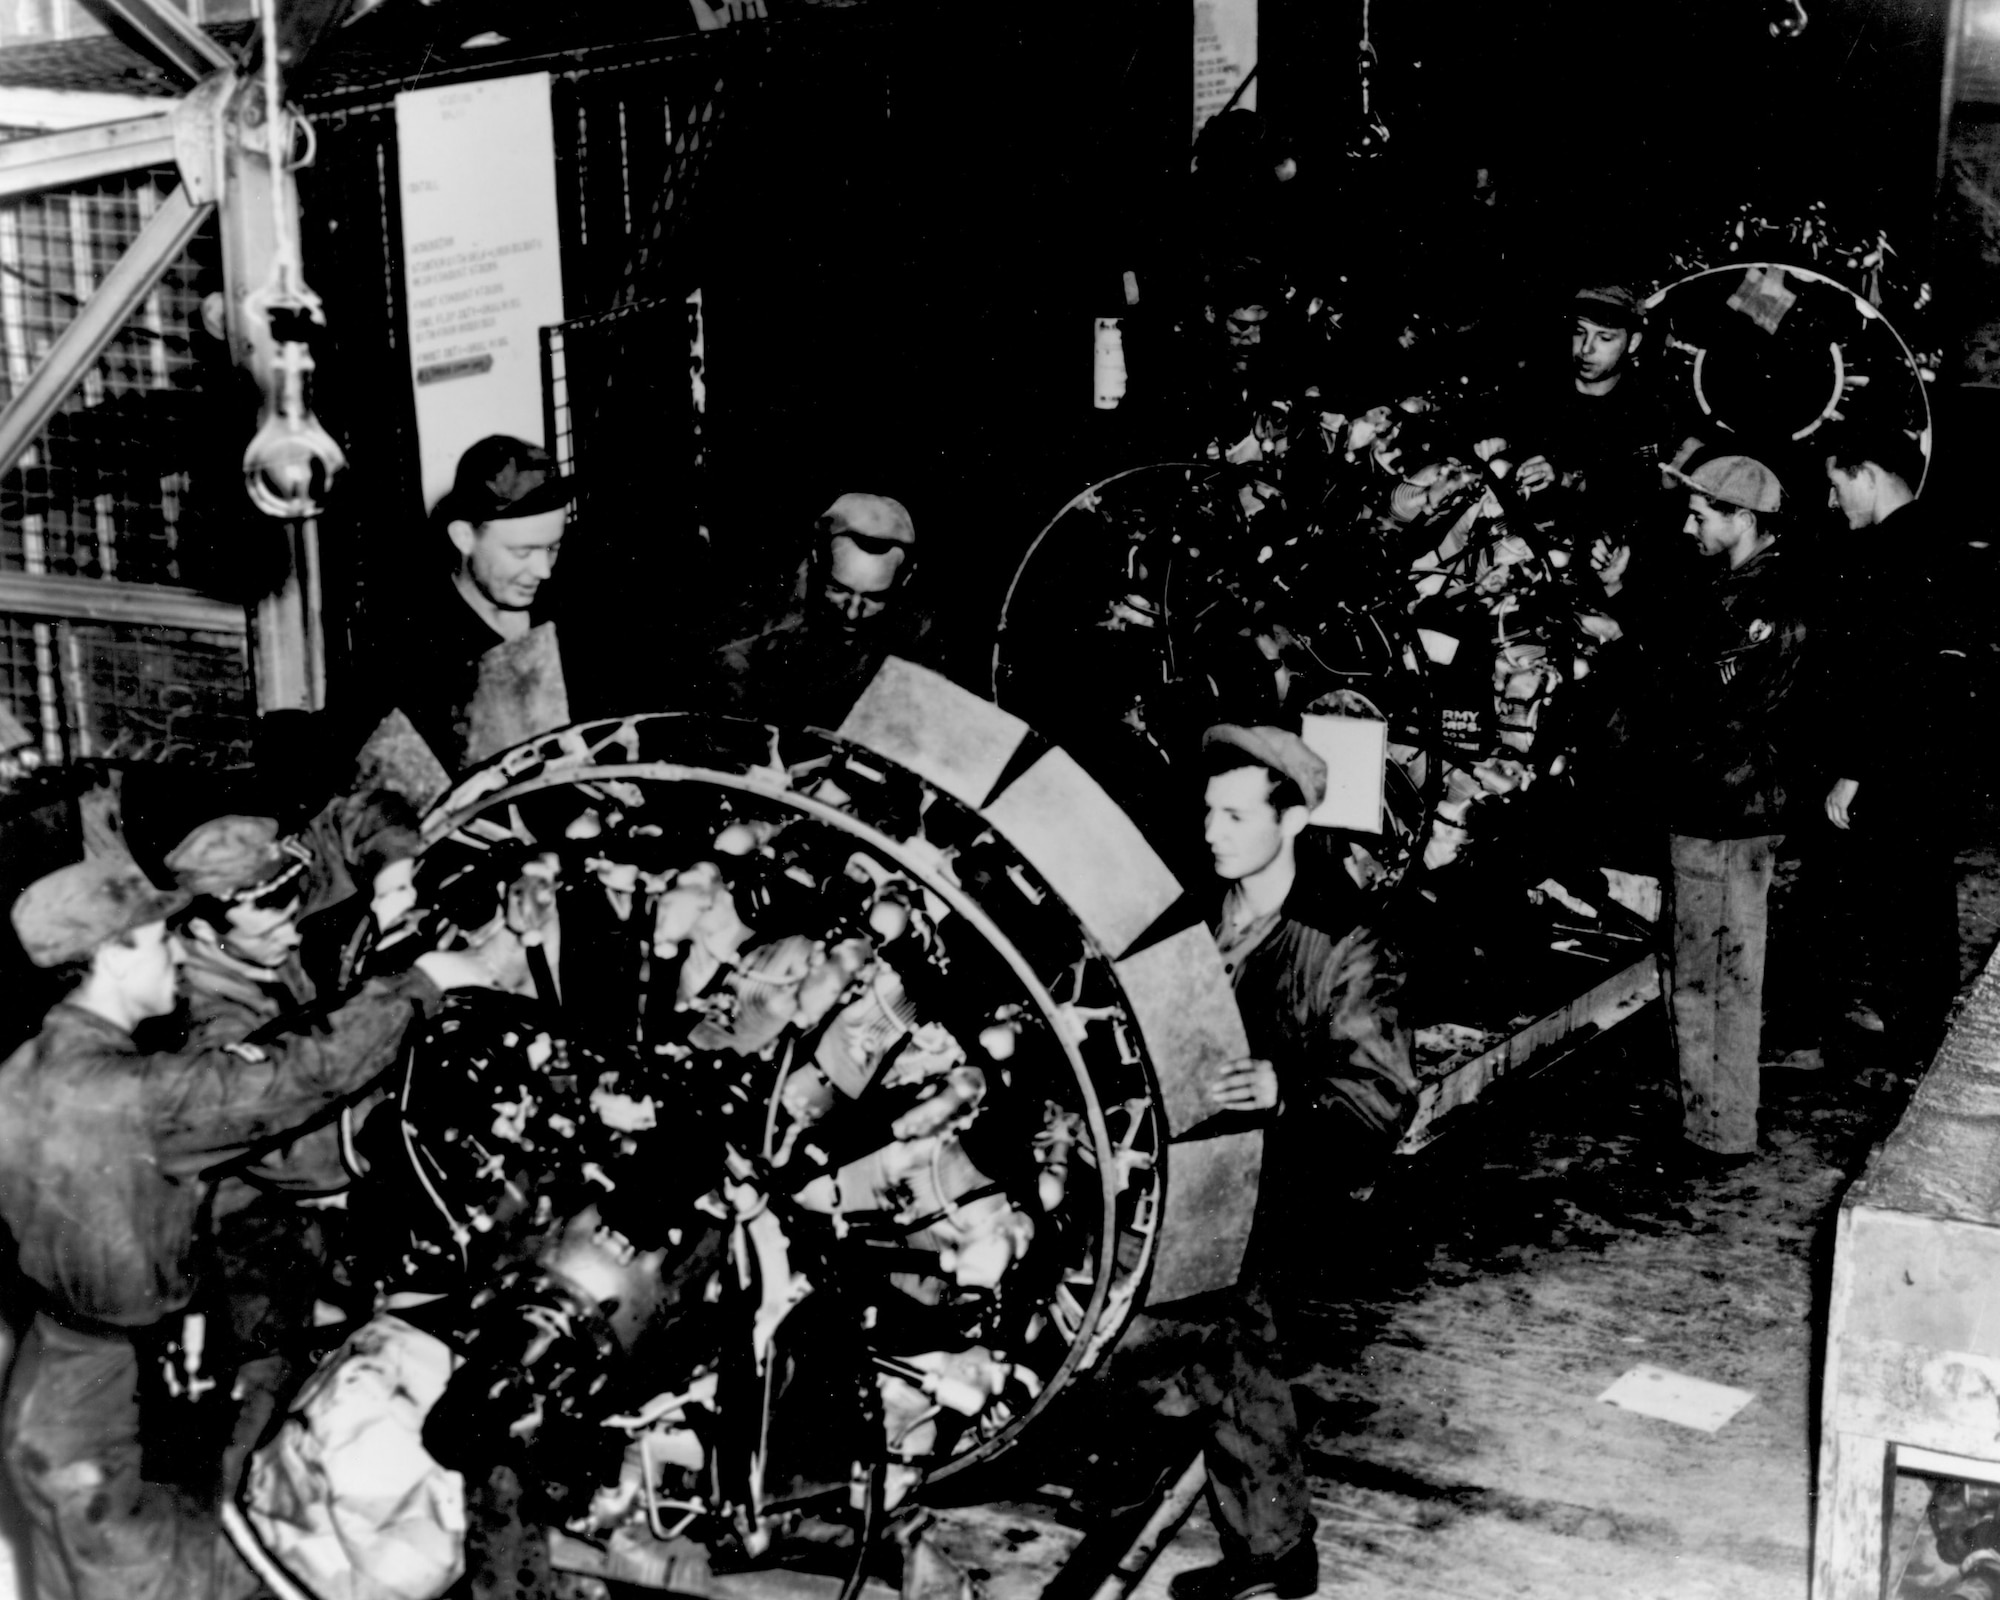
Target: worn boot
[(1290, 1576)]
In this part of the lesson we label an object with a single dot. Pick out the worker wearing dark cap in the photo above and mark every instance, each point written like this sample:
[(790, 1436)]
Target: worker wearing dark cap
[(853, 606), (1587, 444), (1731, 686), (105, 1152), (1330, 1080), (497, 533)]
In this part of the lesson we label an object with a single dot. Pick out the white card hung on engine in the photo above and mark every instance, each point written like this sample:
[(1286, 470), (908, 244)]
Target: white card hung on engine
[(1356, 752)]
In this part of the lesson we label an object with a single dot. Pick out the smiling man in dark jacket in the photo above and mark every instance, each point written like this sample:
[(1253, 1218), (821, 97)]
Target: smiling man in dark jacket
[(1731, 687)]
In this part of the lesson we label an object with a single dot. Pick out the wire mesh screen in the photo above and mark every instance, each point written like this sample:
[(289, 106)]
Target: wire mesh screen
[(639, 155), (622, 400), (116, 484), (136, 479), (128, 691)]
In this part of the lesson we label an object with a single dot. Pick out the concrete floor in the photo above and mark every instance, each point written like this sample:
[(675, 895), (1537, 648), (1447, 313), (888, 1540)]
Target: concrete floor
[(1511, 1273), (1450, 1393)]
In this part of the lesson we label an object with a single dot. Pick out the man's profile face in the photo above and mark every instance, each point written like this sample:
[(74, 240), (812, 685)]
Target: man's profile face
[(1597, 350), (1851, 494), (145, 964), (1716, 527), (858, 580), (1244, 831), (509, 560)]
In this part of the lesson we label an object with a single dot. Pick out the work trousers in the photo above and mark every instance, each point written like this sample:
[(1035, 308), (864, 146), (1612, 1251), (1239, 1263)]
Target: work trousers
[(1219, 1356), (1883, 907), (1721, 895), (98, 1530)]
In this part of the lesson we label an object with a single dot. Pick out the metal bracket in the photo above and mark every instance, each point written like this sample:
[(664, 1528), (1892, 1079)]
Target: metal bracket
[(172, 39), (200, 132)]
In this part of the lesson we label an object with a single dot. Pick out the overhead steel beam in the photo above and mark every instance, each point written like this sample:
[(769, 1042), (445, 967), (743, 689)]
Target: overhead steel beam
[(98, 320), (172, 38), (80, 155), (65, 599)]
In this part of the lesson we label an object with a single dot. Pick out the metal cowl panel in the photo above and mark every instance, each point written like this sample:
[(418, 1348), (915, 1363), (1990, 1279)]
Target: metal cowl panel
[(850, 1010)]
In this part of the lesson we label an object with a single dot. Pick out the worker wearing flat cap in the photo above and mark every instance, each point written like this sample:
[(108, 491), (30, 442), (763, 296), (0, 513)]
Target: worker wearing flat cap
[(481, 580), (1330, 1081), (241, 974), (106, 1152), (1731, 683), (854, 604)]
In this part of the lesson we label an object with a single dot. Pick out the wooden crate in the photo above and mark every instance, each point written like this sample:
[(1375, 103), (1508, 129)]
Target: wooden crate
[(1912, 1373)]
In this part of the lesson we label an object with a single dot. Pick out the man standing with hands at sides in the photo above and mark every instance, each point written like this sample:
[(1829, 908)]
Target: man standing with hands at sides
[(1886, 701), (1329, 1079), (1731, 703), (105, 1157)]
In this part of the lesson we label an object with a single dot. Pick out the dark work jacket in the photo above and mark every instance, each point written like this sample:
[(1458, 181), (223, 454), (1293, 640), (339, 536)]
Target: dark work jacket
[(1878, 709), (227, 1002), (1732, 676), (104, 1148), (1318, 995), (427, 663), (805, 670), (1606, 450)]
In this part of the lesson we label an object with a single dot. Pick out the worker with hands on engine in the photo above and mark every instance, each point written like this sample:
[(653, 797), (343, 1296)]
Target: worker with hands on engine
[(106, 1152)]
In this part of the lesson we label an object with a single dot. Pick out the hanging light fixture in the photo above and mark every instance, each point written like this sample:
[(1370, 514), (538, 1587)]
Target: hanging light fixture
[(1372, 136), (1787, 18), (291, 461)]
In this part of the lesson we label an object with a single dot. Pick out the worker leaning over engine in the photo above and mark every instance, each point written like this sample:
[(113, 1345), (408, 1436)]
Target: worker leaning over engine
[(240, 974), (106, 1152), (1330, 1080)]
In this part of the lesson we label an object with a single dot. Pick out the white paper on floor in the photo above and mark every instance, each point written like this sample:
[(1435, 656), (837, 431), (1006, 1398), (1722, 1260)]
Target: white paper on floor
[(1675, 1397)]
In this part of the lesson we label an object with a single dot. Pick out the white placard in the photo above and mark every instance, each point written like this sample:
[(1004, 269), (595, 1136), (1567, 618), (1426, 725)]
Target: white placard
[(1225, 49), (1356, 752), (1675, 1397), (482, 264)]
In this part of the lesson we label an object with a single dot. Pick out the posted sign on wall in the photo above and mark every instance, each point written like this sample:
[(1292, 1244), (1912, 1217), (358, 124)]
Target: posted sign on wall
[(482, 271), (1225, 52)]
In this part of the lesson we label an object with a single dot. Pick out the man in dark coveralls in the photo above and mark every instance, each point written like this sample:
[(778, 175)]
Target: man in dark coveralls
[(503, 519), (104, 1151), (1330, 1080)]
